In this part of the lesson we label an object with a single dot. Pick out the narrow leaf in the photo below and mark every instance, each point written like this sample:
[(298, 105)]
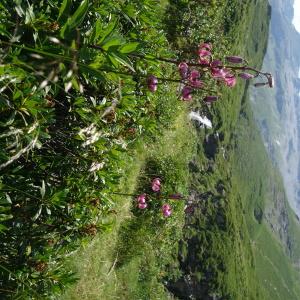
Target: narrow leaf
[(64, 10), (129, 47), (122, 59)]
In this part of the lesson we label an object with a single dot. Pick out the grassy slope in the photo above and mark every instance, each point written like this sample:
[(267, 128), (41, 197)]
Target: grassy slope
[(100, 275), (274, 261)]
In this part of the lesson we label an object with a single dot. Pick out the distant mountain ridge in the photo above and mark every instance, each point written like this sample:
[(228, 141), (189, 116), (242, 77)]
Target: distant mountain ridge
[(278, 111)]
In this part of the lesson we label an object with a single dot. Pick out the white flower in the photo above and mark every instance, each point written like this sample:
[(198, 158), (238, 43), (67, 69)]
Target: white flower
[(95, 166)]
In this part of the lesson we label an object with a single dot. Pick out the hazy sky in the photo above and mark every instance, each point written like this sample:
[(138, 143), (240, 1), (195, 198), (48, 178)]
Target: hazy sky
[(296, 20)]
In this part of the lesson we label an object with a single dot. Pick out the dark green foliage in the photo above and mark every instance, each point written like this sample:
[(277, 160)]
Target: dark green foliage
[(69, 109)]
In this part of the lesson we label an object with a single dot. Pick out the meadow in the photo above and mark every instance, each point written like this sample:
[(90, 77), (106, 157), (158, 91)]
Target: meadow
[(82, 135)]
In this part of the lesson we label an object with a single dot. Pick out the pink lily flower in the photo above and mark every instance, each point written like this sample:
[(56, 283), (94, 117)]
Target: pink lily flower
[(193, 79), (230, 81), (204, 56), (166, 210), (152, 83), (206, 46), (183, 70), (219, 72), (142, 205), (141, 198), (155, 185), (186, 93), (167, 213)]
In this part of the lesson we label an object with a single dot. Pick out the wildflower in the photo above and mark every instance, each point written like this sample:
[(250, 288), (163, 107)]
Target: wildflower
[(206, 46), (210, 99), (230, 81), (166, 210), (194, 79), (235, 59), (95, 166), (204, 56), (186, 93), (183, 70), (155, 185), (141, 199), (152, 83), (219, 72), (246, 76), (142, 205)]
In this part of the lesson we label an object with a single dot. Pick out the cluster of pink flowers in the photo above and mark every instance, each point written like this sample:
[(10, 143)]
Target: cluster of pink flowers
[(191, 73), (156, 187)]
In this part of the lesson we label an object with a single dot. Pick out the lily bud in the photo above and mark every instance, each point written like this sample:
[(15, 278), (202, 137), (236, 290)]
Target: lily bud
[(246, 76), (259, 84), (210, 99), (235, 59), (271, 81)]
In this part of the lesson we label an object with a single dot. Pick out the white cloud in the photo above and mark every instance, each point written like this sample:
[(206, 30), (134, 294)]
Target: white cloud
[(296, 19)]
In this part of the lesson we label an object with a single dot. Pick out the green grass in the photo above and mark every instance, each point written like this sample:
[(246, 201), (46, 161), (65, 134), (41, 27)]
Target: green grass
[(115, 264)]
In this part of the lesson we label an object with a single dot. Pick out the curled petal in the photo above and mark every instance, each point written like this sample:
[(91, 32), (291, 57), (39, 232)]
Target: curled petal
[(206, 46), (167, 213), (155, 185), (142, 205), (141, 198), (166, 210), (166, 207), (204, 56), (230, 81), (187, 93), (197, 84)]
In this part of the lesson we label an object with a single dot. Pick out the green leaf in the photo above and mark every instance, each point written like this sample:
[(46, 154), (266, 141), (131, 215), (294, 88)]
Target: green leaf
[(129, 47), (122, 59), (2, 228), (64, 10), (28, 250), (92, 72), (38, 213), (111, 41), (109, 29), (75, 20), (43, 189), (79, 14)]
